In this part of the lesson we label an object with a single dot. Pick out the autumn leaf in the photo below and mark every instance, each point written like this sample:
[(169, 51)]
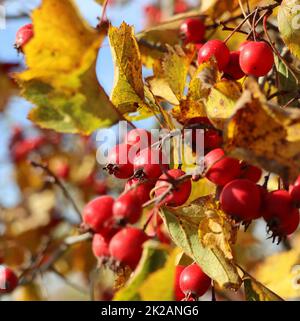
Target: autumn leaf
[(7, 87), (289, 24), (153, 258), (183, 225), (265, 134), (61, 76)]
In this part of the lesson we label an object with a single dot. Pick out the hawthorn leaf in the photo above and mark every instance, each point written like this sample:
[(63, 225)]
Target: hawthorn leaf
[(221, 102), (286, 273), (153, 258), (289, 24), (61, 75), (128, 91), (264, 134), (184, 226)]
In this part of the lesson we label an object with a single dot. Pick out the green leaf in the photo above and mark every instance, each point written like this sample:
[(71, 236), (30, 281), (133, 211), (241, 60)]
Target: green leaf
[(61, 76), (183, 225), (153, 259), (289, 24), (128, 91)]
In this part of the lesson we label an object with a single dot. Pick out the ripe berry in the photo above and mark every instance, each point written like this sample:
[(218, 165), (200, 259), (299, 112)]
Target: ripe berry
[(140, 188), (119, 161), (241, 199), (233, 69), (127, 208), (62, 170), (100, 246), (126, 246), (294, 191), (212, 139), (140, 137), (8, 280), (179, 295), (250, 172), (217, 49), (243, 44), (194, 281), (23, 148), (290, 224), (180, 192), (256, 58), (192, 30), (23, 36), (97, 214), (221, 169), (150, 163)]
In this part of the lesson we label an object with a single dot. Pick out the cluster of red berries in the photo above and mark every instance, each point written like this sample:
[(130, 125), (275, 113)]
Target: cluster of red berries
[(8, 280), (245, 200), (254, 58), (144, 169)]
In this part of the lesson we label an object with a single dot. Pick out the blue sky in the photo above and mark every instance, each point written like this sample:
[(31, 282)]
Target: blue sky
[(18, 109)]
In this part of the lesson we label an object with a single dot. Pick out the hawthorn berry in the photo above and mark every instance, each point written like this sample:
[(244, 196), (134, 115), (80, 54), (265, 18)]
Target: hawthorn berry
[(250, 172), (243, 44), (256, 58), (119, 161), (241, 198), (194, 281), (179, 193), (8, 280), (97, 214), (233, 69), (179, 295), (127, 208), (149, 163), (192, 30), (140, 188), (138, 136), (100, 246), (214, 48), (212, 139), (126, 246), (220, 168), (23, 36), (294, 191)]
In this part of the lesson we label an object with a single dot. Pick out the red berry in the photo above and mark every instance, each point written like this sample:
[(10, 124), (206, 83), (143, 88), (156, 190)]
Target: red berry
[(126, 246), (194, 281), (100, 187), (251, 172), (212, 139), (217, 49), (120, 161), (100, 246), (97, 214), (140, 188), (290, 224), (23, 36), (62, 170), (140, 137), (8, 280), (179, 295), (192, 30), (241, 199), (151, 163), (23, 148), (127, 208), (294, 191), (256, 59), (243, 44), (179, 193), (221, 169), (233, 69)]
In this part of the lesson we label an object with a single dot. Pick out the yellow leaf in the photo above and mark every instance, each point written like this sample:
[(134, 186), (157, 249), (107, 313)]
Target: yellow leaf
[(61, 77), (29, 292), (265, 134), (285, 276), (128, 91), (221, 102)]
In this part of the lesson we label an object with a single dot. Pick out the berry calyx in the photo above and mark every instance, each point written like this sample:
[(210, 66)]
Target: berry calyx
[(214, 48), (149, 163), (97, 214), (233, 69), (220, 168), (140, 188), (193, 281), (23, 36), (127, 209), (179, 193), (8, 280), (138, 136), (120, 161), (126, 246), (241, 199), (256, 58), (192, 30)]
